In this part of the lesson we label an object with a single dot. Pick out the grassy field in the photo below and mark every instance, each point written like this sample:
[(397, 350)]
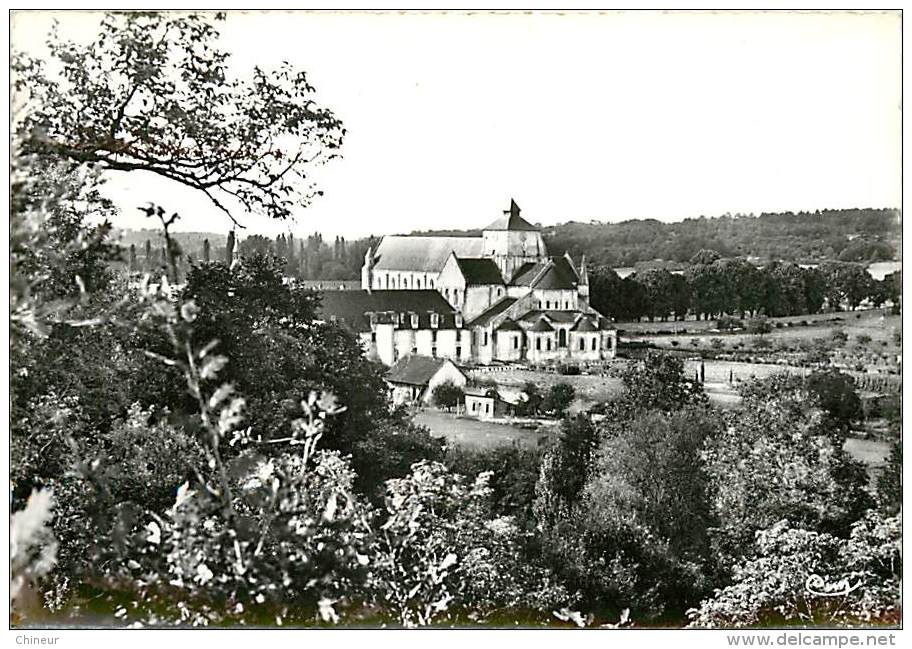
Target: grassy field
[(473, 433), (877, 323), (589, 389), (873, 453), (871, 344)]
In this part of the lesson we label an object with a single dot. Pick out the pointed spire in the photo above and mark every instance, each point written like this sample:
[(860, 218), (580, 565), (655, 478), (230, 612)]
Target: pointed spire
[(583, 272), (511, 220), (514, 209)]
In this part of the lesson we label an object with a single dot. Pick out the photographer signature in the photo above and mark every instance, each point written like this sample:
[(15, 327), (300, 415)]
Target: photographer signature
[(820, 587)]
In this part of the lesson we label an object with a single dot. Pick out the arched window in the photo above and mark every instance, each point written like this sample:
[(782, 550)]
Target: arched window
[(548, 344), (561, 337), (594, 343), (582, 344), (538, 344)]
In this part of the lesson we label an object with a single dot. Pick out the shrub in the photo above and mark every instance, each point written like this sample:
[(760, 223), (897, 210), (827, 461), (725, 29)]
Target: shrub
[(441, 554), (889, 482), (761, 342), (728, 323), (797, 467), (558, 399), (798, 576), (716, 343), (835, 393), (448, 395), (389, 452), (863, 339), (759, 326), (530, 402), (514, 471)]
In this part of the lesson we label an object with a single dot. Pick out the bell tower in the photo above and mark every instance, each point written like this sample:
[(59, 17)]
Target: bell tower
[(512, 241)]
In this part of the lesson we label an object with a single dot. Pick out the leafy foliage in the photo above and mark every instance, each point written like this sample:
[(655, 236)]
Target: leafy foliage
[(734, 286), (558, 399), (439, 553), (889, 482), (808, 577), (835, 393), (448, 395), (32, 547), (531, 401), (659, 383), (622, 506), (779, 458), (513, 473), (155, 93)]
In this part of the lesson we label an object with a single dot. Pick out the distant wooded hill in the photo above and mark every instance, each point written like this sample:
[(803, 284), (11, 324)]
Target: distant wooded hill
[(846, 235), (863, 235)]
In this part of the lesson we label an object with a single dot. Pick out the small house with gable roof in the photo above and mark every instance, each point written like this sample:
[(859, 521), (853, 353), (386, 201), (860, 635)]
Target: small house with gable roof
[(413, 378)]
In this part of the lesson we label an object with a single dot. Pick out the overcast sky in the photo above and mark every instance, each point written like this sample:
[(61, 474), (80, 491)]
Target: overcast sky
[(606, 116)]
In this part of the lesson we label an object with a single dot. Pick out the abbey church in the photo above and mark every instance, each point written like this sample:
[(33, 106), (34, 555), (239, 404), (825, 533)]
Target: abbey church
[(475, 300)]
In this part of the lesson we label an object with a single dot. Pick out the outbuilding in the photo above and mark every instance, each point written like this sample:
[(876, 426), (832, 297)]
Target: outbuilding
[(486, 403), (413, 378)]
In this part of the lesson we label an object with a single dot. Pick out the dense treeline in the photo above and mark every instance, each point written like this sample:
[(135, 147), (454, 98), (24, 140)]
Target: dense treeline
[(310, 259), (711, 286), (861, 235)]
